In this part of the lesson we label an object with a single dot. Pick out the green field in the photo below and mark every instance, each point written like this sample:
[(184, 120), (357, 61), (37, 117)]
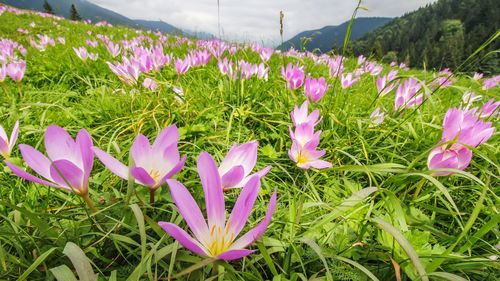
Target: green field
[(377, 214)]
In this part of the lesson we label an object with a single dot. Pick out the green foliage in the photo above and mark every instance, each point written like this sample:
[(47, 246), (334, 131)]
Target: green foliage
[(47, 8)]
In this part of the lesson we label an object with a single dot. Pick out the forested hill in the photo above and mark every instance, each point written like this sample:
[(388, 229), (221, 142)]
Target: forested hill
[(333, 36), (442, 34)]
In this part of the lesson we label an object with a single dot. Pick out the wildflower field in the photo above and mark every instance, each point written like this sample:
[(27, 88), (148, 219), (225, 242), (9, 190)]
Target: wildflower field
[(136, 155)]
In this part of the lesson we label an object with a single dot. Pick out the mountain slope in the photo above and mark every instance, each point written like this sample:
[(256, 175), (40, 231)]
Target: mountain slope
[(439, 35), (329, 36), (88, 10)]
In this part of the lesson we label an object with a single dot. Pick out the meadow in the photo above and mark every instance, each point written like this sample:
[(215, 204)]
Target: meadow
[(376, 206)]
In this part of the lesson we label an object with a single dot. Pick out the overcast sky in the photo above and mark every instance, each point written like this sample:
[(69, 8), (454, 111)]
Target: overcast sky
[(256, 20)]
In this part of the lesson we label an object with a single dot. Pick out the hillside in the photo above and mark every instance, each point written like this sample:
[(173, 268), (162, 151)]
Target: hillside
[(439, 35), (88, 10), (329, 36)]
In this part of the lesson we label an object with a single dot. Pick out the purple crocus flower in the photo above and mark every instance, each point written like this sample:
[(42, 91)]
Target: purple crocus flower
[(455, 157), (315, 88), (16, 70), (217, 238), (489, 108), (150, 84), (307, 156), (377, 117), (239, 162), (294, 75), (82, 53), (68, 162), (406, 94), (301, 115), (347, 80), (6, 143), (153, 164), (182, 66)]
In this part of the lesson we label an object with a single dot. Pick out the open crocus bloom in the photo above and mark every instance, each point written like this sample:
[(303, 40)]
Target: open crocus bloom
[(307, 156), (301, 115), (304, 134), (465, 127), (153, 164), (455, 157), (315, 88), (68, 164), (489, 108), (218, 238), (6, 144), (235, 168)]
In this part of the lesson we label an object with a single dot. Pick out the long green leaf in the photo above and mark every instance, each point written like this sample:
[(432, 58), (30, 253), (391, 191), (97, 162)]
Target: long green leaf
[(35, 264)]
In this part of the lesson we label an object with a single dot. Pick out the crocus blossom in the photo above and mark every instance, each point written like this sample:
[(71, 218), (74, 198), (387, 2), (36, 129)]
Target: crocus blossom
[(406, 94), (307, 156), (81, 53), (150, 84), (68, 162), (16, 70), (461, 130), (153, 164), (239, 162), (489, 108), (6, 143), (301, 115), (347, 80), (315, 88), (294, 76), (219, 237), (377, 117), (182, 65)]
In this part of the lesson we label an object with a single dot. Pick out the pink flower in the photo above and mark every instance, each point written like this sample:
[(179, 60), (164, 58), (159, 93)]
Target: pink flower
[(465, 127), (455, 157), (113, 49), (266, 53), (315, 88), (469, 98), (347, 80), (489, 108), (82, 53), (477, 76), (301, 115), (377, 117), (406, 94), (61, 40), (6, 144), (217, 238), (3, 72), (68, 164), (16, 70), (307, 156), (182, 66), (153, 164), (491, 82), (226, 67), (150, 84), (262, 71), (237, 165), (294, 75), (384, 85)]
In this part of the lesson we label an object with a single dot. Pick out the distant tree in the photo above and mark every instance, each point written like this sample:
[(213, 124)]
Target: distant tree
[(47, 8), (73, 13)]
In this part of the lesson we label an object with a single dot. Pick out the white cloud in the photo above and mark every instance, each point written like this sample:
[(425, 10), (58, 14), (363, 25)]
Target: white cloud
[(256, 20)]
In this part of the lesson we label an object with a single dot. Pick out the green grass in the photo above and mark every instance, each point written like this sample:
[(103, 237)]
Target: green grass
[(328, 225)]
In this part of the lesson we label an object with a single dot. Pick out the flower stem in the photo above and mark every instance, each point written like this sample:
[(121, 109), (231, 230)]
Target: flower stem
[(90, 203), (152, 197)]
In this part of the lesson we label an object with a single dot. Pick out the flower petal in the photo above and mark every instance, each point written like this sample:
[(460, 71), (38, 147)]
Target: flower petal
[(59, 144), (166, 138), (189, 210), (256, 232), (243, 206), (115, 166), (84, 142), (234, 254), (233, 177), (66, 173), (13, 135), (141, 151), (142, 176), (175, 169), (36, 160), (24, 175), (183, 238), (211, 182)]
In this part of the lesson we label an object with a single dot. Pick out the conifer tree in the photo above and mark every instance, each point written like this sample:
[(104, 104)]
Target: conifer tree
[(73, 13), (47, 8)]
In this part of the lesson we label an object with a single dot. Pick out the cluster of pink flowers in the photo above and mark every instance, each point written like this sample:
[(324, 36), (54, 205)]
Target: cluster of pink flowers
[(11, 64), (83, 54), (407, 94), (69, 162), (305, 140), (246, 70)]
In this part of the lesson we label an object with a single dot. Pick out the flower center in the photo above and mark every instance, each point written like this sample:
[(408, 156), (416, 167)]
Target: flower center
[(220, 240), (155, 174)]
